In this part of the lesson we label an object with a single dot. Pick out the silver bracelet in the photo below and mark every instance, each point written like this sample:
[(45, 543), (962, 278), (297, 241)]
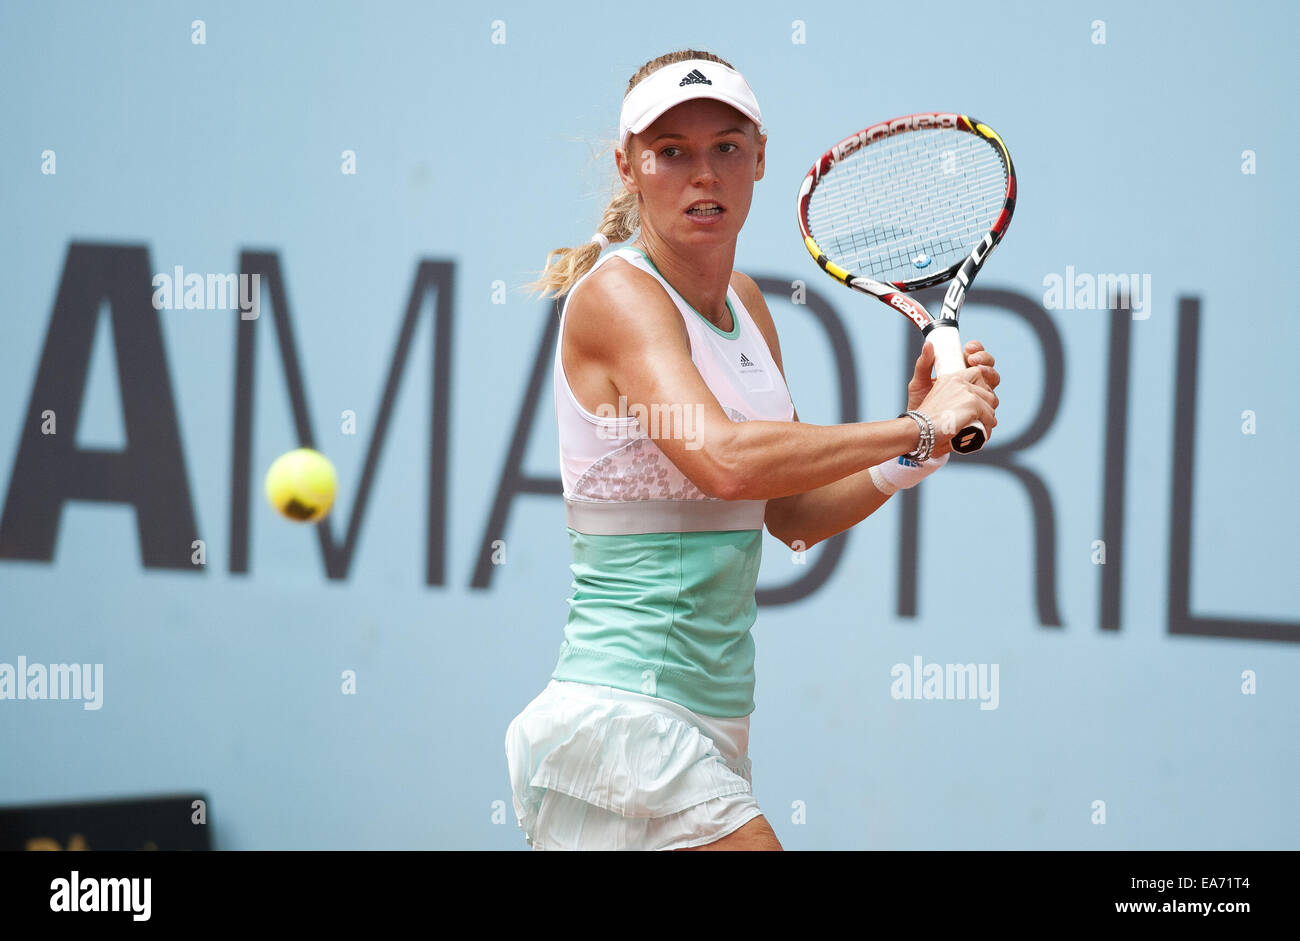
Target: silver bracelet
[(922, 452)]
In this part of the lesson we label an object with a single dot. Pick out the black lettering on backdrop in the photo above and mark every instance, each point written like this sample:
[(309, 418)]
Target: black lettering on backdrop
[(1115, 457), (149, 473), (431, 277), (997, 455), (513, 480), (1183, 464)]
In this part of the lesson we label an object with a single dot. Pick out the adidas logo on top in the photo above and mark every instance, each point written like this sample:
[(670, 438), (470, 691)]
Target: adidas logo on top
[(694, 77), (745, 360)]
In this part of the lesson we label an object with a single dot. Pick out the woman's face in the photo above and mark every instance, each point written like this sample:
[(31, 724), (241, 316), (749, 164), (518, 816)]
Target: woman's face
[(699, 150)]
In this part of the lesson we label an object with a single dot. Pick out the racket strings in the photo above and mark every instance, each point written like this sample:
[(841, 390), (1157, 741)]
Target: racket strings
[(909, 206), (918, 179)]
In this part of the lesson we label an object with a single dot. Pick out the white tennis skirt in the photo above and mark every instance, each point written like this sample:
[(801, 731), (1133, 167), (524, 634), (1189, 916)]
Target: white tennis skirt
[(598, 768)]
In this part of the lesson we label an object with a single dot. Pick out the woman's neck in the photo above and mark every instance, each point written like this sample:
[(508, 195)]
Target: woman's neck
[(701, 278)]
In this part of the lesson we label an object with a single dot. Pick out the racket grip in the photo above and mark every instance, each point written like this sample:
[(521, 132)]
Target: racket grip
[(948, 358)]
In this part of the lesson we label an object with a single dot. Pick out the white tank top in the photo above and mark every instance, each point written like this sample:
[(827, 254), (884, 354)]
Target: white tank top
[(616, 479)]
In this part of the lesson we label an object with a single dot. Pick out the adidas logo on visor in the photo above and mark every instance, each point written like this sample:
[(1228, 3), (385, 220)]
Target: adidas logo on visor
[(694, 77)]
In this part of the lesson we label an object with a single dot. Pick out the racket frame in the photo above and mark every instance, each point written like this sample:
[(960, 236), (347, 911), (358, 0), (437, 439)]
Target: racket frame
[(940, 332)]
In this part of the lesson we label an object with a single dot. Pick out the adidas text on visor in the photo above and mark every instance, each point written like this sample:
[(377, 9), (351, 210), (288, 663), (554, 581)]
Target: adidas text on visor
[(672, 84)]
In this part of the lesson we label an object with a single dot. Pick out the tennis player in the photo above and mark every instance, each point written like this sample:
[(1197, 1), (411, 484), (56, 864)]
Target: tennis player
[(679, 443)]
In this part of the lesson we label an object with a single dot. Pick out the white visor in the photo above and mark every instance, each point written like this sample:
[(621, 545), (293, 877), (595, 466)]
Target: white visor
[(671, 85)]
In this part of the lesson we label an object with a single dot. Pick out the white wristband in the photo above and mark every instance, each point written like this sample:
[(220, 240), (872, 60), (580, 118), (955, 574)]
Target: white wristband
[(902, 474)]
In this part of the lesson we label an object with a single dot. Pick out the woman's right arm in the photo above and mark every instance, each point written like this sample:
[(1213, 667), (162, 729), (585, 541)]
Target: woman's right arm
[(626, 325)]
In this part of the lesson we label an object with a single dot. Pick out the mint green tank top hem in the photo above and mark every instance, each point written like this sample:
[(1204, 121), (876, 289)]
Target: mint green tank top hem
[(665, 614)]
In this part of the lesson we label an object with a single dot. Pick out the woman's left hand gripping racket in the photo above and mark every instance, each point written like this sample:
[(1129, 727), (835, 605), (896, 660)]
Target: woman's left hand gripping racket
[(907, 204)]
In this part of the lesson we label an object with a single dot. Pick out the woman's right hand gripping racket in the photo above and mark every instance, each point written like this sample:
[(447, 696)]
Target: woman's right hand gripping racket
[(907, 204)]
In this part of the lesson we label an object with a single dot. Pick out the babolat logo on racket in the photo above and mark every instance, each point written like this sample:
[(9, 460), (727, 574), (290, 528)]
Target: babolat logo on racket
[(913, 122), (694, 77), (913, 310)]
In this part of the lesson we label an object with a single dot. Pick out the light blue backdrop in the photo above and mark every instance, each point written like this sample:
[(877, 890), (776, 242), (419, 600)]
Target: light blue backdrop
[(1130, 160)]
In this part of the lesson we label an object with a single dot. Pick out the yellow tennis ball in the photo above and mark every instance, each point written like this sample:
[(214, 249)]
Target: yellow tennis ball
[(301, 485)]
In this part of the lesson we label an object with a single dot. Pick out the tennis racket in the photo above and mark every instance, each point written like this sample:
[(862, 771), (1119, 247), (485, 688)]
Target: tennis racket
[(907, 204)]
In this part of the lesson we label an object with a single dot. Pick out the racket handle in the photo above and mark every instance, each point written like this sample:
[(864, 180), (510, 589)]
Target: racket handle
[(948, 358)]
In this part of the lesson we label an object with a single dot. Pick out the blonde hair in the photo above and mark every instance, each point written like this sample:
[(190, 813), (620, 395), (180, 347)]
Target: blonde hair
[(621, 219)]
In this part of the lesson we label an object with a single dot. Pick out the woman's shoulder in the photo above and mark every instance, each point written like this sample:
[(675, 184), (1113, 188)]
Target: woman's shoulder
[(621, 299), (751, 295), (620, 287), (622, 268), (745, 286)]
